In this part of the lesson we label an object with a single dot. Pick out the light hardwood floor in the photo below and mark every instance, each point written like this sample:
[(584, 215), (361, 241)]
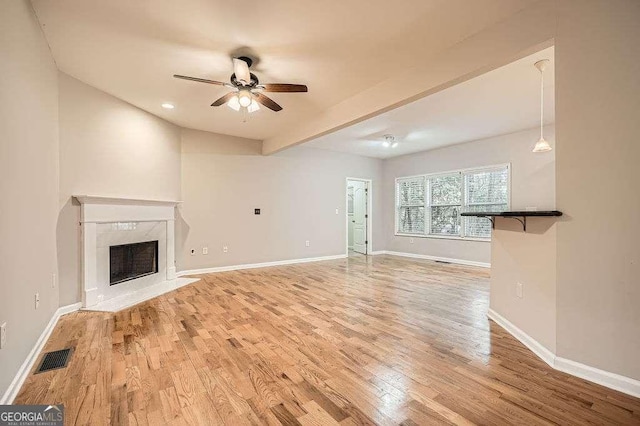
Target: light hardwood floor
[(378, 340)]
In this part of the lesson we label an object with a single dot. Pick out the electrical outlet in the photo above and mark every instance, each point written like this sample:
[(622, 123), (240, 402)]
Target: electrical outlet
[(205, 250), (37, 300), (410, 240), (225, 249), (519, 290), (193, 252), (3, 335), (337, 211), (53, 280), (306, 243)]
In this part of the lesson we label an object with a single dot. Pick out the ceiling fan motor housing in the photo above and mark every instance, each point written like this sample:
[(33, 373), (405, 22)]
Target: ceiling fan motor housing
[(254, 81)]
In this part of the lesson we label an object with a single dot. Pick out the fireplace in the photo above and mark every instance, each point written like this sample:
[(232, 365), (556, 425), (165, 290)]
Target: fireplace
[(127, 251), (130, 261)]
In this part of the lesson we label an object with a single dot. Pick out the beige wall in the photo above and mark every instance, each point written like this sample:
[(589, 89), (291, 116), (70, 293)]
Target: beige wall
[(28, 183), (107, 148), (532, 184), (225, 178), (597, 163), (528, 258), (583, 268)]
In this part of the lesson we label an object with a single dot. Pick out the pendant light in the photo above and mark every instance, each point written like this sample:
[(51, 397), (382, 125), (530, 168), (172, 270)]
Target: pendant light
[(542, 145)]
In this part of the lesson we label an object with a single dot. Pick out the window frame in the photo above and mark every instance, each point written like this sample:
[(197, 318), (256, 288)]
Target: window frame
[(427, 201), (399, 206)]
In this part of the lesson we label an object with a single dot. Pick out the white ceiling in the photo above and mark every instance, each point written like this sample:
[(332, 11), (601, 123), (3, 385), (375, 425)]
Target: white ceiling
[(131, 49), (501, 101)]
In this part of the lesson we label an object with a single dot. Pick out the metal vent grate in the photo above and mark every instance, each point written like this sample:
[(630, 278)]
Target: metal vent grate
[(54, 360)]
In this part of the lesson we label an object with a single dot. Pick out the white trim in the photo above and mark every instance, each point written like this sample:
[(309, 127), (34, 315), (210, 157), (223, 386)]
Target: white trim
[(92, 199), (536, 347), (99, 210), (437, 258), (605, 378), (369, 183), (377, 253), (18, 380), (258, 265), (426, 177), (63, 310), (451, 172), (444, 237)]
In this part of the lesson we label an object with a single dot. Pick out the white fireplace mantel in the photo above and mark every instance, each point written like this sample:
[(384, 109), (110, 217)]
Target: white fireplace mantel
[(109, 210)]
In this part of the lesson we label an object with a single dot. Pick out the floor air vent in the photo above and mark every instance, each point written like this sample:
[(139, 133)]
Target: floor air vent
[(54, 360)]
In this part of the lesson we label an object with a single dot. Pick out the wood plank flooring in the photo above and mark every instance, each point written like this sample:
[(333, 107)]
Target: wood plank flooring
[(360, 341)]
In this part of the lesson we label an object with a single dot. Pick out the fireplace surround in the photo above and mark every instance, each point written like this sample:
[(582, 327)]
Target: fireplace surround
[(108, 222)]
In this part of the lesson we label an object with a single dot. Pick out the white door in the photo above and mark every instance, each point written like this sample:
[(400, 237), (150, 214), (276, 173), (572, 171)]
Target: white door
[(359, 216)]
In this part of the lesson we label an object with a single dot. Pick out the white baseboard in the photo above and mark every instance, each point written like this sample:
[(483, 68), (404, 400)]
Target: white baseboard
[(257, 265), (13, 389), (63, 310), (437, 258), (377, 253), (536, 347), (605, 378)]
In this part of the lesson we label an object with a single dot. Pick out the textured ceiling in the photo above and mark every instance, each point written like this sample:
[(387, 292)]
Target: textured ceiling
[(501, 101), (130, 49)]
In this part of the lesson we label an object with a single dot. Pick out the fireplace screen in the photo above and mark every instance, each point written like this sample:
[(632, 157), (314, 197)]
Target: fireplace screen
[(131, 261)]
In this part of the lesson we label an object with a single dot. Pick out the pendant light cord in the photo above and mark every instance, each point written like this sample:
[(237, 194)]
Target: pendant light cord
[(541, 102)]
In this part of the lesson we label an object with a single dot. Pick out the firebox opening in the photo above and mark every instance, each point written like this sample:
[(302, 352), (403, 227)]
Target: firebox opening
[(131, 261)]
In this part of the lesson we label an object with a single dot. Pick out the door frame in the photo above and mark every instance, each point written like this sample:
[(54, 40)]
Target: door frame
[(369, 213)]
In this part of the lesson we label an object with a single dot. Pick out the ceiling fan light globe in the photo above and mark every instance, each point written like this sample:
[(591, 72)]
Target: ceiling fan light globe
[(253, 106), (244, 99), (386, 144), (234, 103), (395, 144), (542, 146)]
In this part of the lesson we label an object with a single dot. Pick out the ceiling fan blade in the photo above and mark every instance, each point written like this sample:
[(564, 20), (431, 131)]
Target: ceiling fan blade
[(281, 87), (223, 100), (199, 80), (267, 101), (241, 70)]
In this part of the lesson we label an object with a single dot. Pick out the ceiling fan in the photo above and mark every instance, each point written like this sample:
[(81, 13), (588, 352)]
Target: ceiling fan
[(247, 91)]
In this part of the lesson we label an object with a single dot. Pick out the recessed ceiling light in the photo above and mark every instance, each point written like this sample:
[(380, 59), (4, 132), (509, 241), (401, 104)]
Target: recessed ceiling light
[(167, 105)]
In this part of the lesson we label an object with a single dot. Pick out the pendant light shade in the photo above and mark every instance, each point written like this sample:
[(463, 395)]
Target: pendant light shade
[(542, 145)]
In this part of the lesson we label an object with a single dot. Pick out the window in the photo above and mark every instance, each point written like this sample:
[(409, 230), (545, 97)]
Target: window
[(430, 205), (485, 191), (446, 203), (411, 205)]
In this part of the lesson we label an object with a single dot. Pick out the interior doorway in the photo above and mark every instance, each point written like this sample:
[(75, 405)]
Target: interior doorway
[(358, 216)]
